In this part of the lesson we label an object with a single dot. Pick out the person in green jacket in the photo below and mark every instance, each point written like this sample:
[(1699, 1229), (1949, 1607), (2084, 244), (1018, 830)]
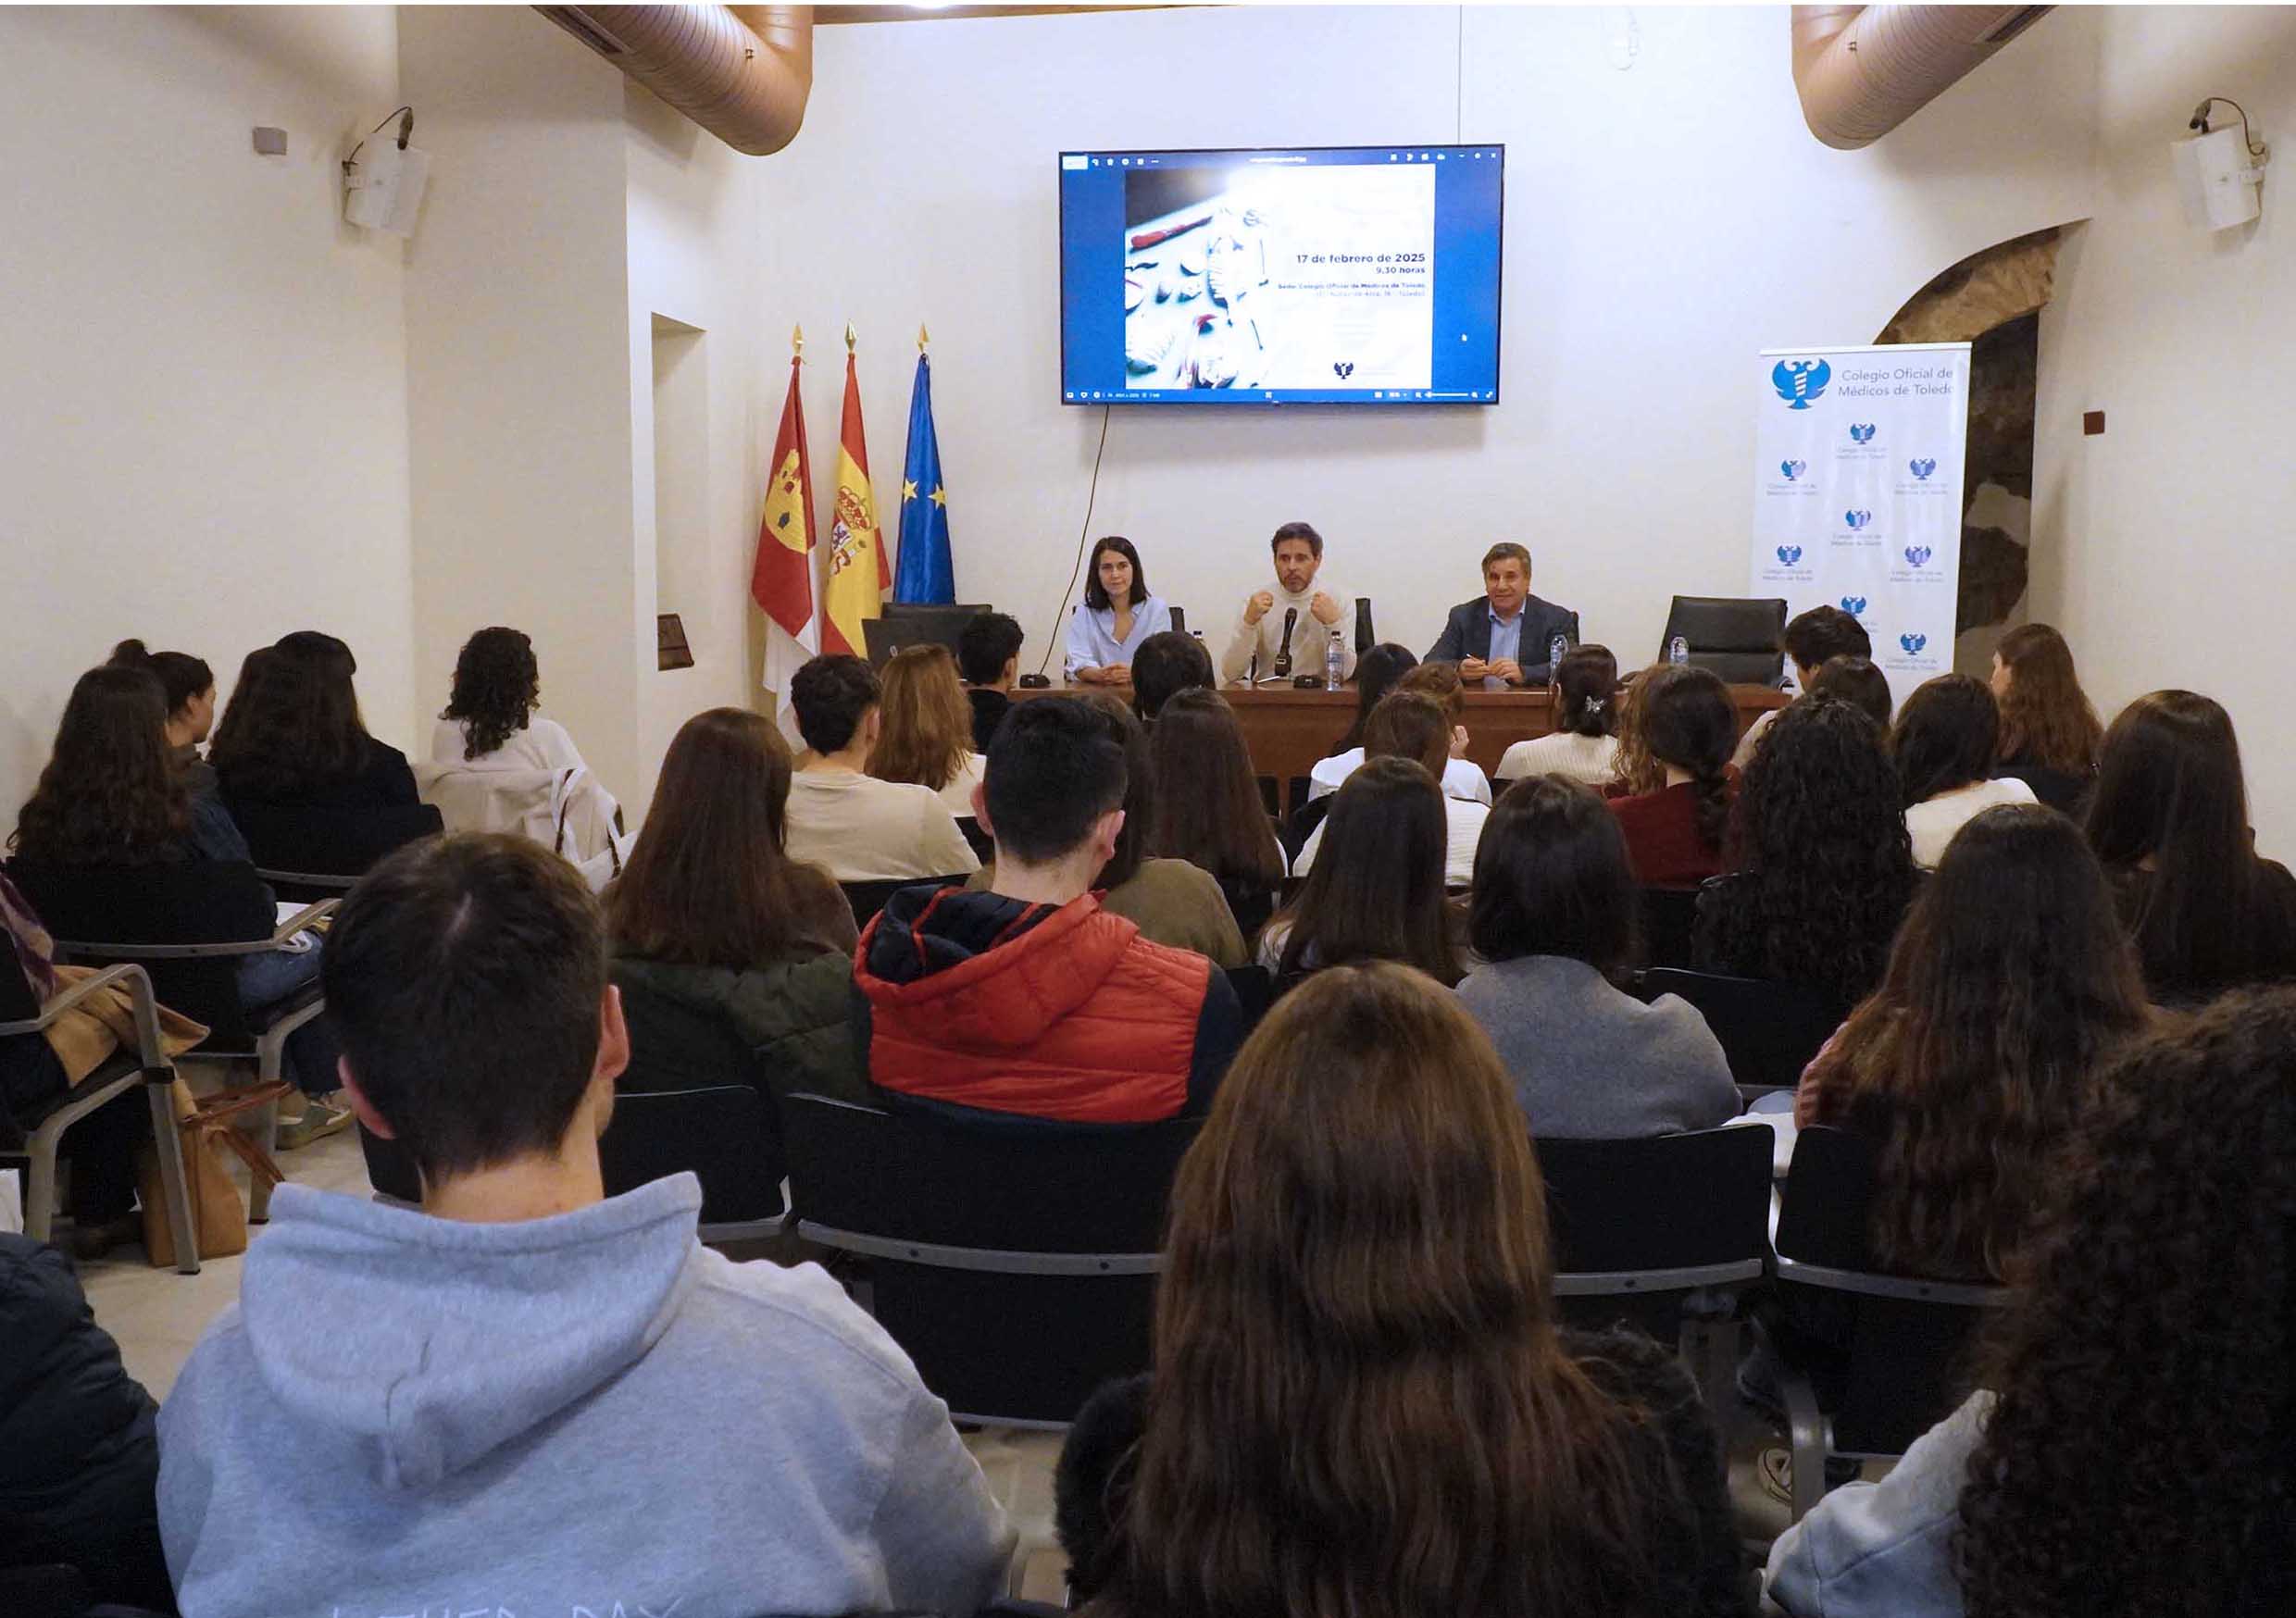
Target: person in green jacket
[(720, 936)]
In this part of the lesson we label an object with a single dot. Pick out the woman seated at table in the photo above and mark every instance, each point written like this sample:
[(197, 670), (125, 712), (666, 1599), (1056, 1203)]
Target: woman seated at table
[(1118, 615)]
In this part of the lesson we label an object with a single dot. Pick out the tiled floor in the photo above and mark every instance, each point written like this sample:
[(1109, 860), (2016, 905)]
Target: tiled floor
[(158, 1316)]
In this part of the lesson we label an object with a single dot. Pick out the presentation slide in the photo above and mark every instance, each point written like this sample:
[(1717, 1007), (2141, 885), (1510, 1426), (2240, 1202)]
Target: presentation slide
[(1359, 274)]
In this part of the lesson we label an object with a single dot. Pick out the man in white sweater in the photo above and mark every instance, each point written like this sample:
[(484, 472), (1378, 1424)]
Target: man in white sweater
[(1292, 621)]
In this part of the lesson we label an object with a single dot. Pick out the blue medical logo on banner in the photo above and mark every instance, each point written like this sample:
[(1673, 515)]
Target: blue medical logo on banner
[(1788, 554), (1799, 381), (1856, 519), (1921, 470), (1861, 433), (1854, 605), (1918, 556), (1913, 642), (1793, 469)]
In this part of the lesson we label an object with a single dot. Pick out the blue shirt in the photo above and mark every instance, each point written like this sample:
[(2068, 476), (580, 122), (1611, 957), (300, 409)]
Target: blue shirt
[(1092, 641), (1507, 641)]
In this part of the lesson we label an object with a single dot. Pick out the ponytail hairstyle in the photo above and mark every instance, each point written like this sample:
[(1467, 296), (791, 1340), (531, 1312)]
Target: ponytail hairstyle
[(182, 676), (1586, 685), (1691, 725)]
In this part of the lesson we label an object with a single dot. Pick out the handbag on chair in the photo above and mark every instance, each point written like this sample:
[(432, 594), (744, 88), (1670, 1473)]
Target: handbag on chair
[(218, 1214)]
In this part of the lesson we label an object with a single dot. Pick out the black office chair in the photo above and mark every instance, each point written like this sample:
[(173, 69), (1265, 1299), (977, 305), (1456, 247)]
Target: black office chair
[(868, 897), (1664, 1232), (1303, 823), (984, 845), (141, 1067), (1015, 1262), (308, 854), (1737, 637), (1256, 992), (1769, 1031), (188, 924), (1180, 620), (1908, 1361), (1669, 917)]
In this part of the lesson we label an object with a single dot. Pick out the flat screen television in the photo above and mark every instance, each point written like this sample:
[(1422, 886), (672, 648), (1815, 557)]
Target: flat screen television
[(1332, 275)]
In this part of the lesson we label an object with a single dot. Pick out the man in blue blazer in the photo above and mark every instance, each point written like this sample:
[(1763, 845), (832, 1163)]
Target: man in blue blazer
[(1502, 638)]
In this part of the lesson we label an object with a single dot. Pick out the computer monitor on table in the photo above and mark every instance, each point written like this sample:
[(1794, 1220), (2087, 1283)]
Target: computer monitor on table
[(912, 624)]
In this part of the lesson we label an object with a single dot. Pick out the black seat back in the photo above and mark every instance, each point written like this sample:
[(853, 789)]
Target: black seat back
[(1736, 637), (868, 897), (1670, 915), (989, 1243), (1638, 1214), (389, 1168), (1909, 1356), (694, 1098), (182, 902), (332, 842), (1769, 1032)]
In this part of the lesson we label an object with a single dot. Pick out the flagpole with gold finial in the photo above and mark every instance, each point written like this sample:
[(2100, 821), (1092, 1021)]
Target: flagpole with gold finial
[(922, 338), (849, 337), (797, 344)]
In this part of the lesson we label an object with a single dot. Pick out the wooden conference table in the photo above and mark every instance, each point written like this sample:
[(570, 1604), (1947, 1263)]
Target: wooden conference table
[(1290, 730)]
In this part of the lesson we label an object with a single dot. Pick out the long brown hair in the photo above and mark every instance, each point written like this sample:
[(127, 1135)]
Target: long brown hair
[(111, 794), (708, 884), (294, 720), (2010, 983), (1375, 892), (1688, 722), (1218, 824), (1636, 770), (2046, 718), (1360, 1404), (928, 729)]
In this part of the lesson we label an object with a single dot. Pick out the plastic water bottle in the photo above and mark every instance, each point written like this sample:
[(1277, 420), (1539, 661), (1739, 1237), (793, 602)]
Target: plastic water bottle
[(1678, 650), (1334, 662), (1556, 648)]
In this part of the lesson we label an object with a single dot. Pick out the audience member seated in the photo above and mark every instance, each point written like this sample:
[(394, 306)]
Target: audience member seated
[(1214, 820), (1552, 923), (927, 735), (1583, 746), (1635, 771), (1811, 639), (188, 685), (859, 828), (712, 914), (1379, 895), (1674, 833), (988, 656), (2049, 731), (1028, 998), (1823, 868), (1171, 901), (1376, 673), (291, 737), (2128, 1456), (1167, 663), (1943, 746), (79, 1445), (1439, 682), (489, 721), (1856, 680), (464, 1396), (1362, 1225), (112, 795), (1409, 725), (2009, 986), (2170, 822)]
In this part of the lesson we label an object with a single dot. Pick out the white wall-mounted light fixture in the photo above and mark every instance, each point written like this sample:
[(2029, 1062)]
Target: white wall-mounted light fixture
[(2219, 170), (382, 180)]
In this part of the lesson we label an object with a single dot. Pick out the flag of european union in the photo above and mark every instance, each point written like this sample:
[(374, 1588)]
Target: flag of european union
[(924, 572)]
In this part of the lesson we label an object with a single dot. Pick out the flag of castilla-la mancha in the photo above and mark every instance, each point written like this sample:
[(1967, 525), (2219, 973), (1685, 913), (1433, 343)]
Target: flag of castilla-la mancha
[(782, 580), (860, 569)]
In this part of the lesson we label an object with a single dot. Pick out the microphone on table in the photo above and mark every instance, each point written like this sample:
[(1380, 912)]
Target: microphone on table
[(1283, 650)]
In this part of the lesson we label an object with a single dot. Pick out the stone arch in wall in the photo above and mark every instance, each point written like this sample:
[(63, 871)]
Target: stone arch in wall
[(1993, 301)]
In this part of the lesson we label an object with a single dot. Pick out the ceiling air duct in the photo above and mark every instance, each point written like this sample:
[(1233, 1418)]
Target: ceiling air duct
[(1862, 70), (742, 72)]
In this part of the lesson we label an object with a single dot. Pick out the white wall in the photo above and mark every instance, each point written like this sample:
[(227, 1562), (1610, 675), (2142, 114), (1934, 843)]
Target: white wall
[(203, 406), (1662, 224), (2163, 549), (519, 370)]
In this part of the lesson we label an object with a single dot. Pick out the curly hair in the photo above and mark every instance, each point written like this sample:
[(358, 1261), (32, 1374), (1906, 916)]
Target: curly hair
[(2138, 1458), (496, 686), (110, 794), (1688, 722), (1823, 866), (1636, 771)]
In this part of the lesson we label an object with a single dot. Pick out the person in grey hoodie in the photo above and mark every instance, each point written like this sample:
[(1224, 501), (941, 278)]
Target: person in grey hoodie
[(1551, 923), (528, 1397)]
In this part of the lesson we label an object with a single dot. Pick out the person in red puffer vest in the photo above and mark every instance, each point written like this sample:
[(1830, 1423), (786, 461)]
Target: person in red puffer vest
[(1029, 999)]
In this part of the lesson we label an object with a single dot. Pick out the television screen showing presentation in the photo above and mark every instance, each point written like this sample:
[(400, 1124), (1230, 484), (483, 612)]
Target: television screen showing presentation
[(1344, 275)]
